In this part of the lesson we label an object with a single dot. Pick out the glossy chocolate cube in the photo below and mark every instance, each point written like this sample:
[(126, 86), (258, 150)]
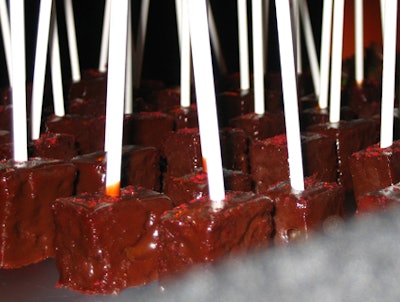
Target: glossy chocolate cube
[(105, 244), (26, 193), (269, 159), (194, 234), (374, 168), (298, 215)]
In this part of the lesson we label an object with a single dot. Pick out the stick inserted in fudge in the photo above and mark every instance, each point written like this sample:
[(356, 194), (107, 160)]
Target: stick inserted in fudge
[(377, 166), (298, 210), (28, 187), (116, 229), (192, 233)]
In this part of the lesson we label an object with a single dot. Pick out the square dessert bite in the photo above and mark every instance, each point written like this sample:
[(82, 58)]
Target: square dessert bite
[(298, 214), (194, 233), (374, 168), (26, 222), (105, 244)]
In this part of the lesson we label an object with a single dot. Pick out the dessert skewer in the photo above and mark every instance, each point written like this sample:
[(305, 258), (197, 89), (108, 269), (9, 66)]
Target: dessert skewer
[(326, 34), (244, 67), (47, 38), (17, 22), (72, 43), (5, 31), (359, 41)]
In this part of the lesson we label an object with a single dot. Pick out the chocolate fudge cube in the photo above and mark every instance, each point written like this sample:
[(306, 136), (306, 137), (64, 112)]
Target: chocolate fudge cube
[(54, 145), (147, 128), (350, 137), (195, 185), (88, 130), (105, 244), (182, 151), (260, 126), (185, 117), (26, 192), (269, 159), (380, 200), (374, 168), (140, 167), (194, 234), (231, 104), (299, 214)]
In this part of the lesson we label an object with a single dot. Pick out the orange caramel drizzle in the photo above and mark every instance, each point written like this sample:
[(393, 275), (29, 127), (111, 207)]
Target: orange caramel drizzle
[(113, 190)]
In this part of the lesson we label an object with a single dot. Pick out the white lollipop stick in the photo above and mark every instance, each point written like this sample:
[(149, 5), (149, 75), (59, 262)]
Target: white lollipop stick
[(105, 37), (336, 69), (115, 94), (42, 44), (178, 12), (258, 57), (297, 35), (359, 41), (388, 73), (382, 6), (185, 57), (141, 40), (5, 31), (206, 100), (243, 45), (129, 65), (290, 95), (311, 50), (72, 45), (18, 80), (215, 41), (56, 77), (266, 33), (326, 35)]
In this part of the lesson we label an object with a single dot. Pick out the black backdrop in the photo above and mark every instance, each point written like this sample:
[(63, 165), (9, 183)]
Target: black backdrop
[(161, 60)]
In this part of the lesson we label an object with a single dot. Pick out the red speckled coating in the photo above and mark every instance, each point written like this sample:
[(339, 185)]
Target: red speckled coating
[(373, 168)]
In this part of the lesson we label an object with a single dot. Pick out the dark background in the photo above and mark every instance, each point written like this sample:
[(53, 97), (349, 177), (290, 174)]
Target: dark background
[(161, 59)]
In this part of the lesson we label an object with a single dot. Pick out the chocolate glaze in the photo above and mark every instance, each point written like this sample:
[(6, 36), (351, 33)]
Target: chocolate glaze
[(140, 166), (314, 116), (93, 85), (374, 168), (269, 159), (105, 244), (162, 100), (193, 234), (298, 214), (182, 151), (195, 185), (260, 126), (147, 128), (26, 224), (54, 145), (185, 117), (380, 200), (365, 100), (231, 104), (88, 130), (350, 137)]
